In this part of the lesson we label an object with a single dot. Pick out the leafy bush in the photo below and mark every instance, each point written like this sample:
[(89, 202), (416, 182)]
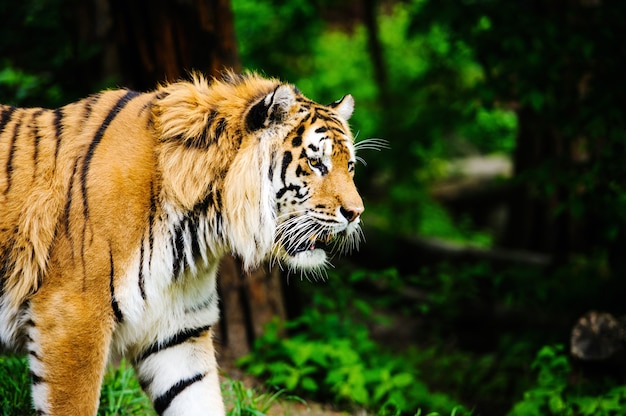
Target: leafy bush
[(334, 359), (553, 394)]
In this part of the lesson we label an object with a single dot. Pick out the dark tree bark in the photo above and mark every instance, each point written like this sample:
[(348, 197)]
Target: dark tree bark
[(375, 49), (163, 40)]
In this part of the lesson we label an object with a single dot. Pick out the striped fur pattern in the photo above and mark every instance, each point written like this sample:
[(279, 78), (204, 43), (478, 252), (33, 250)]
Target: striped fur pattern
[(115, 211)]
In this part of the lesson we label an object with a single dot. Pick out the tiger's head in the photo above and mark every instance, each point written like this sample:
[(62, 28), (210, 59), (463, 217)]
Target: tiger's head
[(317, 205), (283, 166)]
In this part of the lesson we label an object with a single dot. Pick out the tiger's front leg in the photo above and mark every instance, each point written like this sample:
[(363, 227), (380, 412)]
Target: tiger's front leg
[(180, 374), (68, 344)]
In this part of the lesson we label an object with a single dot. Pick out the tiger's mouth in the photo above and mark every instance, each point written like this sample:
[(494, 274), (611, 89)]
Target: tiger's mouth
[(312, 252), (315, 242)]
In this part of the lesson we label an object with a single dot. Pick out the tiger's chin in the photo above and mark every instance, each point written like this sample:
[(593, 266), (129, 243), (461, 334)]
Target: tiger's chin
[(310, 256), (307, 260)]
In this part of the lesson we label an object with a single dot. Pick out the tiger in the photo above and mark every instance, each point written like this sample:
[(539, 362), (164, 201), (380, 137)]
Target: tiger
[(115, 211)]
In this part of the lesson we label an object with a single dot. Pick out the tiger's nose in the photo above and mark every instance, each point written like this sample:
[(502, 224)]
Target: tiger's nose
[(351, 213)]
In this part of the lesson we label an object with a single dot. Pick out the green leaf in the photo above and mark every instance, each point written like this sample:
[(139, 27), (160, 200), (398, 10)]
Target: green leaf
[(309, 384)]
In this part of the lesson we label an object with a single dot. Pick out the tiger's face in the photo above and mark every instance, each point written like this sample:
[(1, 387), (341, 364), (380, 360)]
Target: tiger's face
[(317, 204)]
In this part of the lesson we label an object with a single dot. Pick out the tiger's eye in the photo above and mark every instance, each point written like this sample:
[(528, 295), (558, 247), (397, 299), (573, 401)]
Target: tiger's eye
[(316, 163)]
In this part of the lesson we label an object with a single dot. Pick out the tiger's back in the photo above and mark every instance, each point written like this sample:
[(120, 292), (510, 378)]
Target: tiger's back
[(48, 158)]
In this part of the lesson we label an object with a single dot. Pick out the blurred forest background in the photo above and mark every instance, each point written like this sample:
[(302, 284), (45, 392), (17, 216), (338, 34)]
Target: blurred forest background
[(494, 221)]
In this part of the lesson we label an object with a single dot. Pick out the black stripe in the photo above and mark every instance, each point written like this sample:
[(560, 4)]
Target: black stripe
[(12, 149), (164, 401), (67, 212), (121, 103), (287, 158), (6, 118), (301, 172), (147, 105), (89, 103), (141, 275), (220, 127), (35, 378), (255, 119), (173, 341), (6, 264), (114, 305), (145, 383), (218, 213), (68, 201), (36, 140), (208, 137), (178, 250), (58, 131), (296, 189), (202, 305), (192, 222), (270, 173), (153, 209), (195, 241)]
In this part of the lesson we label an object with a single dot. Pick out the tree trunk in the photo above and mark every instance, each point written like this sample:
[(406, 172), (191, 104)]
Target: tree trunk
[(163, 40), (249, 301), (375, 49)]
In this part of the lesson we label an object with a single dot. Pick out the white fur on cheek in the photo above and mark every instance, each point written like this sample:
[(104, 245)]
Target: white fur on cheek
[(249, 205)]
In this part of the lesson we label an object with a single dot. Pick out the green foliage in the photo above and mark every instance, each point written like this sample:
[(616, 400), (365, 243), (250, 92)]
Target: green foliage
[(348, 370), (411, 210), (432, 113), (44, 62), (21, 86), (275, 36), (556, 63), (331, 357), (553, 395)]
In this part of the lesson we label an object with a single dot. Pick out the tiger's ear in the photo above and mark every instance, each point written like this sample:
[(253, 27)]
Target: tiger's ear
[(272, 108), (344, 107)]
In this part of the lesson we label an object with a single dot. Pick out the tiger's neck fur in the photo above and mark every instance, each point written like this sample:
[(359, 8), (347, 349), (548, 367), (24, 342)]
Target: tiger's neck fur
[(209, 121)]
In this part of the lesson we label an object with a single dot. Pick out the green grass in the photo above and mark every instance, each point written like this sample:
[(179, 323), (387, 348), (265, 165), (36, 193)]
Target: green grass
[(14, 386), (121, 393), (243, 401)]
